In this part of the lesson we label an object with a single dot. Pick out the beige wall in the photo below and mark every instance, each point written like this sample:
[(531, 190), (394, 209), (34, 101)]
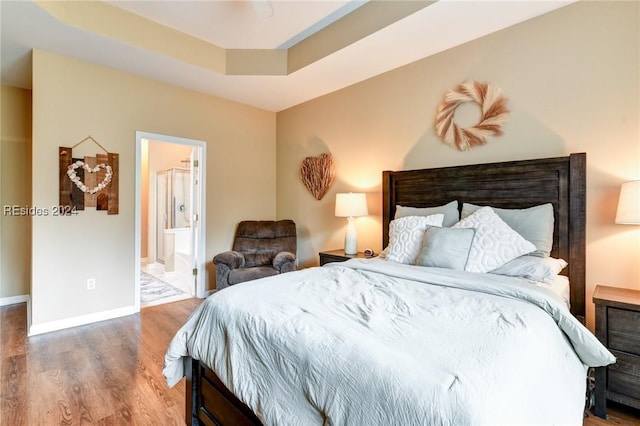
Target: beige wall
[(73, 99), (572, 80), (15, 190)]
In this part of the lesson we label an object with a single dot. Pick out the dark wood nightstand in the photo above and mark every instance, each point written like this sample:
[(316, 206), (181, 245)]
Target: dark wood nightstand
[(618, 328), (338, 256)]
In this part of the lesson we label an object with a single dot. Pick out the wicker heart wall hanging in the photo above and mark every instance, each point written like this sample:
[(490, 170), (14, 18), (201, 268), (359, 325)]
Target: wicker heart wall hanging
[(89, 180), (318, 174), (494, 114), (71, 172)]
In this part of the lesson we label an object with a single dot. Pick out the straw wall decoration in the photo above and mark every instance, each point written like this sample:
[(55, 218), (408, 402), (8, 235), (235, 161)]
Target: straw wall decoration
[(494, 114), (318, 174)]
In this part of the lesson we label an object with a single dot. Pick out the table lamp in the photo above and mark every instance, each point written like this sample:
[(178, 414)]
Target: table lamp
[(628, 212), (351, 205)]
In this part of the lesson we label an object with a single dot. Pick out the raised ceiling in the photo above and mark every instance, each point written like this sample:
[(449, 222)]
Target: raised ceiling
[(269, 54)]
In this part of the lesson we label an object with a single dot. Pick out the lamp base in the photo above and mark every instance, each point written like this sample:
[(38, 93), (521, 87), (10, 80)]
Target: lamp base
[(351, 237)]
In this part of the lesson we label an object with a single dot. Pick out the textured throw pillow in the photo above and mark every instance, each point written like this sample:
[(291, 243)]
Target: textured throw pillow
[(450, 211), (494, 244), (446, 247), (405, 236), (535, 224), (542, 269)]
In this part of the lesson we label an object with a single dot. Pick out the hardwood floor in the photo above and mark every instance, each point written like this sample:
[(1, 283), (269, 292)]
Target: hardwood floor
[(616, 415), (110, 373)]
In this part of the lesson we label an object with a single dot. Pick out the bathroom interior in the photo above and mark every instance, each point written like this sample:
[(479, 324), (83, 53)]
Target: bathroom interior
[(166, 252)]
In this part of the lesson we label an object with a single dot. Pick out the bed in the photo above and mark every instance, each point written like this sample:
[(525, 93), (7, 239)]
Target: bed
[(377, 341)]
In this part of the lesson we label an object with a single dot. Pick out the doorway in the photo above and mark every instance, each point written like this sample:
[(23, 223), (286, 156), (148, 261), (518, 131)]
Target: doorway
[(170, 191)]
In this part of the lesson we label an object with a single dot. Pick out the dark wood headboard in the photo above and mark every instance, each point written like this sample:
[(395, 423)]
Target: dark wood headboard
[(560, 181)]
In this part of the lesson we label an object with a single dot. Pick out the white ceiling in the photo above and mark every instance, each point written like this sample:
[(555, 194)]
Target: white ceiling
[(274, 24)]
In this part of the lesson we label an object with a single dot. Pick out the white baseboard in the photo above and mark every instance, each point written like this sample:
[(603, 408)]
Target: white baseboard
[(12, 300), (81, 320)]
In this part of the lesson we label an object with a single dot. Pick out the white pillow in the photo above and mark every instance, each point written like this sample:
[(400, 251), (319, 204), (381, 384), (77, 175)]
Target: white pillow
[(494, 244), (535, 224), (560, 286), (542, 269), (405, 236)]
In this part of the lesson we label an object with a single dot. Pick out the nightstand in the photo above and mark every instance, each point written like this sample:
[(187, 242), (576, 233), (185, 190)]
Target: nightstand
[(618, 328), (338, 256)]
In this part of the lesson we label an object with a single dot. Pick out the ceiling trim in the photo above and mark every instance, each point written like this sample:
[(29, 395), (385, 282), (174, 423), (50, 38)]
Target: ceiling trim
[(368, 19), (256, 62), (115, 23)]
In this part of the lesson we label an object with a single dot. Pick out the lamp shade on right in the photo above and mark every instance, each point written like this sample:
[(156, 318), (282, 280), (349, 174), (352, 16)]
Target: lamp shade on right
[(629, 203)]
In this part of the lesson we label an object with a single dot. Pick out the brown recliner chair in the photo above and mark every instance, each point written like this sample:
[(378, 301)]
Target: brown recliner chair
[(261, 248)]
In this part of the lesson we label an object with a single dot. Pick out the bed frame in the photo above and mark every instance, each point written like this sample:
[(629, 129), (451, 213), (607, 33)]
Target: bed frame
[(560, 181)]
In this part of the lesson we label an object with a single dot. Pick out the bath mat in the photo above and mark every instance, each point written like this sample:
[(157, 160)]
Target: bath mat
[(153, 289)]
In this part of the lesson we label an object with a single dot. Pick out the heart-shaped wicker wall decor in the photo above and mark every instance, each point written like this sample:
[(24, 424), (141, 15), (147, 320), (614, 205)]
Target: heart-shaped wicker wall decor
[(71, 172), (318, 174)]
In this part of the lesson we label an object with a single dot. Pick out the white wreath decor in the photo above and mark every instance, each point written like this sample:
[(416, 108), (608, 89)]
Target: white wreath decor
[(494, 114), (71, 172)]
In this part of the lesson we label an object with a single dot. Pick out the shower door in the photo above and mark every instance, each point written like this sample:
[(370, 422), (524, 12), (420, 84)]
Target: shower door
[(180, 198), (161, 213), (173, 204)]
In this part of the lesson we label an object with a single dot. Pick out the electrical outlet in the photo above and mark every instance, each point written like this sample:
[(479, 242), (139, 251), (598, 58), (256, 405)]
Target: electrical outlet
[(91, 284)]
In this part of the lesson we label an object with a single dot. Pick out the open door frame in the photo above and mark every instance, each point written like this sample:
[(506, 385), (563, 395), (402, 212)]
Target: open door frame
[(200, 232)]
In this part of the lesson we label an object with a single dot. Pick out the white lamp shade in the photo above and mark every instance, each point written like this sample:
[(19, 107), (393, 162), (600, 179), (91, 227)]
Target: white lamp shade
[(629, 203), (351, 205)]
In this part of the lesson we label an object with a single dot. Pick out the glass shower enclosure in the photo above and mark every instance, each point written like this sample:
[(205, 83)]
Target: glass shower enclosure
[(173, 209)]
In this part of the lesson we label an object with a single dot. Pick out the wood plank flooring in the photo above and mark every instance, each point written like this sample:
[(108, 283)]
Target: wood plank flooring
[(616, 415), (110, 373)]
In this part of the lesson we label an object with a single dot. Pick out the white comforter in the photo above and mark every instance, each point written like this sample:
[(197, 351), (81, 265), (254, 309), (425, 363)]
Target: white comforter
[(371, 342)]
